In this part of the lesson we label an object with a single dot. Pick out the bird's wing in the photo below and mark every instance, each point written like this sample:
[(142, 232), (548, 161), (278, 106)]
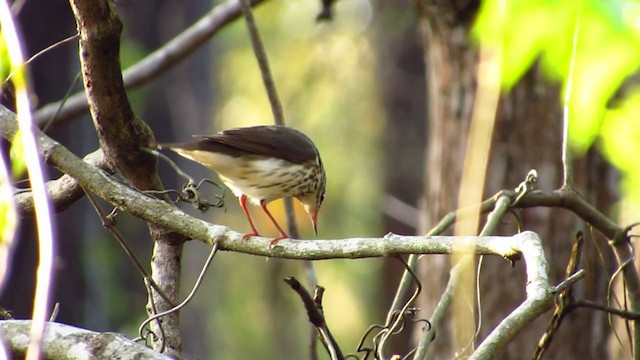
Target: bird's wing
[(271, 141)]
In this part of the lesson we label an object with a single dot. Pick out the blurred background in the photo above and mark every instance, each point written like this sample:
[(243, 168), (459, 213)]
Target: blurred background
[(332, 87), (358, 86)]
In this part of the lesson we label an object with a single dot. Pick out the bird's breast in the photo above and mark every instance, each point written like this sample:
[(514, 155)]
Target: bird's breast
[(265, 179)]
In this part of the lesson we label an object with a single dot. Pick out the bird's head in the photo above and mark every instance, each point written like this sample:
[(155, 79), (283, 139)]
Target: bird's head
[(312, 201)]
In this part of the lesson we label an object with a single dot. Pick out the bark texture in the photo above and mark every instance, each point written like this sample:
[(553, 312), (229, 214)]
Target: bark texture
[(528, 136), (122, 135)]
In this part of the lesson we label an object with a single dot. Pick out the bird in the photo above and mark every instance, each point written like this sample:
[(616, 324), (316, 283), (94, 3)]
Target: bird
[(261, 164)]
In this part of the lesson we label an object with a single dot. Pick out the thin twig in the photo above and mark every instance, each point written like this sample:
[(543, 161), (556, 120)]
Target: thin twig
[(214, 250), (154, 311), (108, 224), (66, 96), (263, 63), (564, 298), (627, 263), (36, 55), (395, 323), (313, 305), (566, 151), (625, 314), (54, 312)]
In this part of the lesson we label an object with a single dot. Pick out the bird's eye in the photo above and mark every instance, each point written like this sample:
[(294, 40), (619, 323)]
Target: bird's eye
[(321, 198)]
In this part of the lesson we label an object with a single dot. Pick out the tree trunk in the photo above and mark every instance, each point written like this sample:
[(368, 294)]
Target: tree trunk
[(527, 136), (402, 84)]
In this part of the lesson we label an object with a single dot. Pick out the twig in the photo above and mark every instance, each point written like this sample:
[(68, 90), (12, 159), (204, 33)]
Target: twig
[(45, 126), (108, 224), (54, 312), (444, 224), (570, 281), (566, 151), (316, 316), (395, 323), (564, 298), (539, 299), (154, 311), (36, 55), (263, 63), (214, 250), (625, 314), (62, 192), (503, 206), (626, 267)]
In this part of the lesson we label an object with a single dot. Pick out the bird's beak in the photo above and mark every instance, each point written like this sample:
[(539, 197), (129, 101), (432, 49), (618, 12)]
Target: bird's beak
[(314, 221)]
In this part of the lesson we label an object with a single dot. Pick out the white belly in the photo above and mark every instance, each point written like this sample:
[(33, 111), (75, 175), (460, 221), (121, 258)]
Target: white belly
[(261, 179)]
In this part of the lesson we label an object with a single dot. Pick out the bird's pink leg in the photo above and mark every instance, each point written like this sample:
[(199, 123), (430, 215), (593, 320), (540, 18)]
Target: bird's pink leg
[(243, 204), (283, 235)]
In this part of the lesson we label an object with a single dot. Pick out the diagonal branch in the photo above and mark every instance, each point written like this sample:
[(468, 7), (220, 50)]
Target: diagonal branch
[(315, 314), (62, 192), (156, 63)]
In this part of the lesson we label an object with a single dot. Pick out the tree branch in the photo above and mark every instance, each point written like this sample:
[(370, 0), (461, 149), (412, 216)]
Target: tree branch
[(150, 209), (67, 342), (62, 192), (122, 135), (156, 63), (315, 314)]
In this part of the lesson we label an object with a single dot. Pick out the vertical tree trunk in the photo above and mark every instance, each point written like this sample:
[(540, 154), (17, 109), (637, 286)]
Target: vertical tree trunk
[(528, 136), (401, 71)]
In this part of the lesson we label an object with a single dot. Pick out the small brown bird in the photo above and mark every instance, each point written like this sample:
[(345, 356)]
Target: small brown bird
[(262, 164)]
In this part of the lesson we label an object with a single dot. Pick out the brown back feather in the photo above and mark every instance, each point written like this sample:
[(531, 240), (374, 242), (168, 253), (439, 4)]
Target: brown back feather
[(272, 141)]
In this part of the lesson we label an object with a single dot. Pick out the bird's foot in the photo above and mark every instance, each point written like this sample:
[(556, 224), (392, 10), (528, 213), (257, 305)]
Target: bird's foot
[(246, 237), (276, 240)]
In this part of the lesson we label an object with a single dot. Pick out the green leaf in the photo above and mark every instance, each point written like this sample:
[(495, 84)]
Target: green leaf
[(620, 134), (5, 63), (16, 155)]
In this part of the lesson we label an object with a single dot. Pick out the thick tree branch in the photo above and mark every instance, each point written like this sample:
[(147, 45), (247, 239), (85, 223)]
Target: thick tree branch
[(150, 209), (153, 210), (62, 192), (156, 63), (120, 133), (571, 200), (67, 342)]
